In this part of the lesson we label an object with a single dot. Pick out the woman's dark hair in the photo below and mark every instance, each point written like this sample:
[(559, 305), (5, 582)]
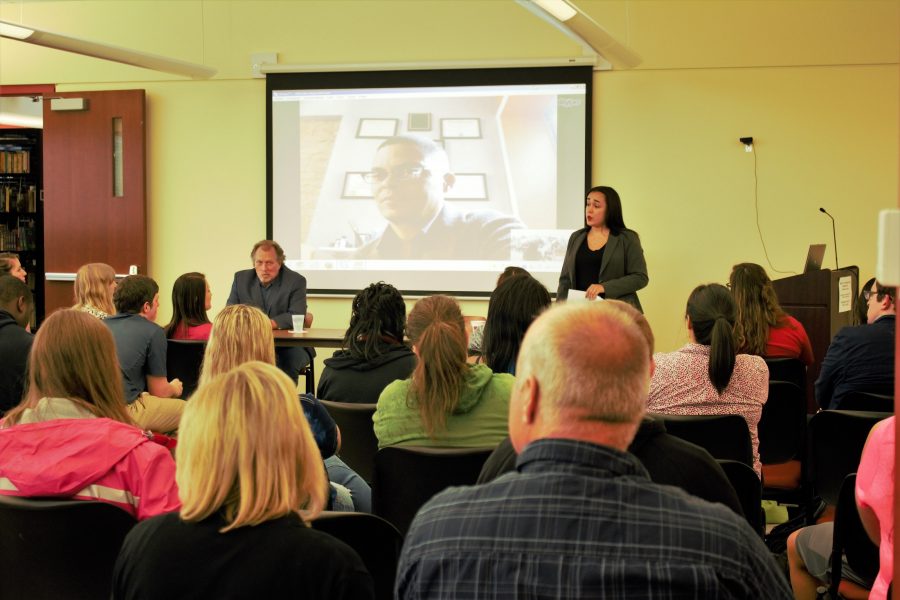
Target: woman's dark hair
[(509, 272), (712, 313), (757, 307), (188, 302), (437, 330), (377, 321), (614, 219), (861, 308), (513, 306)]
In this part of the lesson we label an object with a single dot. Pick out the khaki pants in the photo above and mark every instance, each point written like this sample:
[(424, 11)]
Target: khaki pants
[(157, 414)]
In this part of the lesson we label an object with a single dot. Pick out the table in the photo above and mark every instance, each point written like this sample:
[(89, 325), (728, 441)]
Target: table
[(315, 337)]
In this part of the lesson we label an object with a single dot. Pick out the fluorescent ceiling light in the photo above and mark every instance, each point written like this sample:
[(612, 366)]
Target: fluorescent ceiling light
[(560, 9), (104, 51)]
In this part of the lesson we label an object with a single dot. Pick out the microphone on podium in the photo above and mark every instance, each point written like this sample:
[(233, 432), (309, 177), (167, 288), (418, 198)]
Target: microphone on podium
[(834, 235)]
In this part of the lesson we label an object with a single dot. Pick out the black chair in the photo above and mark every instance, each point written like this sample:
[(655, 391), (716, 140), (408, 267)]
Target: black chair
[(852, 541), (725, 437), (59, 548), (377, 542), (749, 491), (309, 372), (408, 477), (836, 440), (183, 361), (358, 441), (788, 369), (782, 441), (867, 401)]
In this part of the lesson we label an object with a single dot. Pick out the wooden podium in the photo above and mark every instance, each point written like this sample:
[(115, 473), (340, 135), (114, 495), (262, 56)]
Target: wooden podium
[(823, 302)]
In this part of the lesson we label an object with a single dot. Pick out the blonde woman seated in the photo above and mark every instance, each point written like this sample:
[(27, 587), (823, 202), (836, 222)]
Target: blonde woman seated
[(250, 480), (75, 430), (94, 287), (446, 402), (243, 333), (707, 377)]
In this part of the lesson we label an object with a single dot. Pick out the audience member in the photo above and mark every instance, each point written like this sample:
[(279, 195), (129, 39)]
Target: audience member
[(762, 327), (706, 376), (191, 298), (10, 265), (476, 339), (446, 402), (580, 518), (241, 334), (374, 353), (16, 308), (95, 284), (669, 460), (280, 293), (861, 358), (809, 549), (141, 348), (250, 480), (861, 306), (76, 433), (514, 304)]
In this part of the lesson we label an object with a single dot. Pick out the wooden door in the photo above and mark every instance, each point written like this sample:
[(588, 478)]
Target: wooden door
[(94, 196)]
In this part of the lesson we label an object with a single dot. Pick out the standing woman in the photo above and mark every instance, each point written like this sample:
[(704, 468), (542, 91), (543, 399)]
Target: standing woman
[(605, 258), (94, 287), (191, 299)]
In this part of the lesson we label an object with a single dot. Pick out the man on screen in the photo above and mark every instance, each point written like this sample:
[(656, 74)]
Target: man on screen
[(410, 176)]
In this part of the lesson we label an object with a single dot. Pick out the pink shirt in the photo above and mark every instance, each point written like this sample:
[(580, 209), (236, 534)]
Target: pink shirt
[(875, 490), (681, 386), (789, 340), (197, 332)]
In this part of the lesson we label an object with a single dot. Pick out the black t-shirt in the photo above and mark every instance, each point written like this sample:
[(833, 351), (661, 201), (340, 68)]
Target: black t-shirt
[(164, 557), (587, 266)]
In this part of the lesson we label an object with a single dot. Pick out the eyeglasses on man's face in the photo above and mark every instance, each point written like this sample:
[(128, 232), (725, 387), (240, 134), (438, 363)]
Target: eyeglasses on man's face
[(402, 173)]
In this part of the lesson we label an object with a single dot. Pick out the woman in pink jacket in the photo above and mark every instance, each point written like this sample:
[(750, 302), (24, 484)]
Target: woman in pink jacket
[(72, 435)]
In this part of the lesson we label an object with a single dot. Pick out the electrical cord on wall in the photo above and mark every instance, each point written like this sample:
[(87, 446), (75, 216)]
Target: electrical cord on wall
[(756, 207)]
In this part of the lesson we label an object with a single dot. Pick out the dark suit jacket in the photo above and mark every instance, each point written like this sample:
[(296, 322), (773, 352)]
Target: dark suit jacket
[(286, 295), (623, 270), (859, 359), (15, 344)]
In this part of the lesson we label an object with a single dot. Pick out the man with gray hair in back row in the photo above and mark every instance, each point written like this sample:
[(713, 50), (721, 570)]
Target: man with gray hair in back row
[(580, 517)]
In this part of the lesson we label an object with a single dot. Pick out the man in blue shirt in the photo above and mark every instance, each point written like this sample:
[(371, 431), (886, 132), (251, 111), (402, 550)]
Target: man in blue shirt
[(580, 518), (861, 358), (280, 293), (141, 347)]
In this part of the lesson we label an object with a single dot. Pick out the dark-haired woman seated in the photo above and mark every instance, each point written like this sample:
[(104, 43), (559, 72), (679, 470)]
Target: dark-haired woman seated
[(762, 327), (706, 376), (191, 298), (515, 303), (373, 353), (250, 479), (446, 402)]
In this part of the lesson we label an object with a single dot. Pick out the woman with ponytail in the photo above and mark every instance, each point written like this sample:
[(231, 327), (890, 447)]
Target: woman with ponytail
[(707, 376), (446, 401)]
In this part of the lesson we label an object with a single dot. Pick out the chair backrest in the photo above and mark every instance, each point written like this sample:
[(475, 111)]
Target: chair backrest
[(782, 427), (749, 491), (377, 542), (408, 477), (725, 437), (851, 539), (867, 401), (836, 440), (788, 369), (59, 548), (358, 441), (183, 360)]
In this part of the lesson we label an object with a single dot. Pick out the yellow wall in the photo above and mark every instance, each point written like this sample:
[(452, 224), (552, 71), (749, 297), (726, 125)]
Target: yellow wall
[(815, 83)]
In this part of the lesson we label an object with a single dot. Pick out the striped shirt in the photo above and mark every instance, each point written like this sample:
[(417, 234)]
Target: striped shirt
[(580, 520)]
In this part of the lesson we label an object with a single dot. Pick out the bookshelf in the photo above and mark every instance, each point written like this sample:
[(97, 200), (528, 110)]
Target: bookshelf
[(22, 205)]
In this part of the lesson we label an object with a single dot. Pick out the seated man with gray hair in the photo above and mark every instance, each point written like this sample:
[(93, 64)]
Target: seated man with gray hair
[(580, 517)]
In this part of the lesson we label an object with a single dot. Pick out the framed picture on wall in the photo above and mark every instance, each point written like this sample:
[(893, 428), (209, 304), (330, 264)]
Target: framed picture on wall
[(377, 128), (461, 129), (355, 187), (419, 122), (468, 186)]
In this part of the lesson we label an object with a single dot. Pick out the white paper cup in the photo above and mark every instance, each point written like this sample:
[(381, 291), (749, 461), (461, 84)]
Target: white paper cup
[(298, 322)]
